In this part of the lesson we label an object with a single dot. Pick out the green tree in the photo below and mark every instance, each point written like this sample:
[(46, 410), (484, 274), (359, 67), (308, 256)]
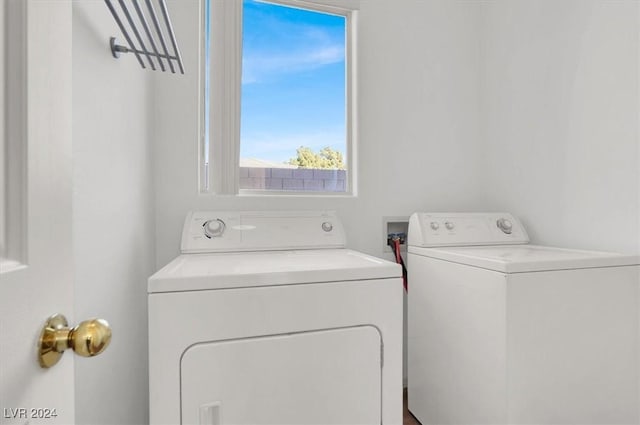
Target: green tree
[(327, 158)]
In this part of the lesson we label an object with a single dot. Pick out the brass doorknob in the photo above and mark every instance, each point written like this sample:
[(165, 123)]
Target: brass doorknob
[(88, 339)]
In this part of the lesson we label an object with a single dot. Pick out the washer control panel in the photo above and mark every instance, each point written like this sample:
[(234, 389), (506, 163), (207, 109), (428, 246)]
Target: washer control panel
[(227, 231), (460, 229)]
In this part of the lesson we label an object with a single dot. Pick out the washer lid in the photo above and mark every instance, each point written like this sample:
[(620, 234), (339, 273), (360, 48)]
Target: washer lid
[(525, 258), (193, 272)]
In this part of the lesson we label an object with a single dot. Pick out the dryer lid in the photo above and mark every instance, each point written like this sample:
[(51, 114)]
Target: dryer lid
[(193, 272)]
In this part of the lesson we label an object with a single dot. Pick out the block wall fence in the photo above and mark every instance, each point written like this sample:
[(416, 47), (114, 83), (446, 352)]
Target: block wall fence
[(298, 179)]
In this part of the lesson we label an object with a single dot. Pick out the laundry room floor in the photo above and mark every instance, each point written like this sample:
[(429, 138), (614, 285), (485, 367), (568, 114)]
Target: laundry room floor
[(407, 418)]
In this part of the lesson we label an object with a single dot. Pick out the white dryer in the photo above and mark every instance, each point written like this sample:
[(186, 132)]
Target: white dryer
[(500, 331), (266, 318)]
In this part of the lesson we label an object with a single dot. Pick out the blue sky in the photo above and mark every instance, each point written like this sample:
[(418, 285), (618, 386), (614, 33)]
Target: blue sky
[(293, 81)]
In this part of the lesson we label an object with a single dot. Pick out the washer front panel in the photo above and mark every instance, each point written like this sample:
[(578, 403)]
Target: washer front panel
[(512, 345)]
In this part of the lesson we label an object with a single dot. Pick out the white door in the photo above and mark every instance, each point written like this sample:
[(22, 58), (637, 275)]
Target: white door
[(35, 207)]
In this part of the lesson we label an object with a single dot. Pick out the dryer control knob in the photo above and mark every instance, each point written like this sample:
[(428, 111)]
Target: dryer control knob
[(214, 228), (327, 226), (449, 225), (435, 225), (505, 225)]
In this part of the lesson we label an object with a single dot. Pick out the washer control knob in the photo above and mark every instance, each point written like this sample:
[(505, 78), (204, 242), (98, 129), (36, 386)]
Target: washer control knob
[(213, 228), (435, 225), (505, 225), (327, 226), (449, 225)]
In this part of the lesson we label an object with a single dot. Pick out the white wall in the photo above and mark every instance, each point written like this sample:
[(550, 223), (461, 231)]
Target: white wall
[(113, 217), (560, 92), (525, 106), (418, 124)]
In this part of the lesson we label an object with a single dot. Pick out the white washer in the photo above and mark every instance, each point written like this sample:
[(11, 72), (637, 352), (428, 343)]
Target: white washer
[(505, 332), (266, 318)]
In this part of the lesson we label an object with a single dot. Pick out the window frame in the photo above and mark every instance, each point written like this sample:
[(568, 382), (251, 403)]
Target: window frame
[(225, 85)]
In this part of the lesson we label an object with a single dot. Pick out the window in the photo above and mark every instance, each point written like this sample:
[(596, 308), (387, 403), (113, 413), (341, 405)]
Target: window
[(278, 98)]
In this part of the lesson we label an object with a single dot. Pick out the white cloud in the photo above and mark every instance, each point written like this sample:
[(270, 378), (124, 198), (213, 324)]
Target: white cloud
[(261, 65)]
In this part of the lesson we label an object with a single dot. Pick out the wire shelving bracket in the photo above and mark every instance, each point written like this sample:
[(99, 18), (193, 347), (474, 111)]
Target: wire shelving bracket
[(154, 37)]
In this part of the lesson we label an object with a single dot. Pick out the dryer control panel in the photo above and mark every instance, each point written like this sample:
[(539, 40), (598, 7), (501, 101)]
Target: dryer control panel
[(230, 231), (460, 229)]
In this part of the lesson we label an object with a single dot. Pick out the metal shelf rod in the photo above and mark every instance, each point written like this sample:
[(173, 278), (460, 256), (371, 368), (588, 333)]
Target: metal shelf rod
[(172, 37), (136, 33), (143, 21), (124, 31), (156, 24), (132, 28), (124, 49)]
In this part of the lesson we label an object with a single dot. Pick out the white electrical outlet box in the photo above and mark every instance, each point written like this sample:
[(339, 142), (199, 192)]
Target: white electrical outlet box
[(394, 224)]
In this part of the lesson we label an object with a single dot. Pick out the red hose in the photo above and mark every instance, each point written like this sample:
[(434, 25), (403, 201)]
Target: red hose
[(396, 250)]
